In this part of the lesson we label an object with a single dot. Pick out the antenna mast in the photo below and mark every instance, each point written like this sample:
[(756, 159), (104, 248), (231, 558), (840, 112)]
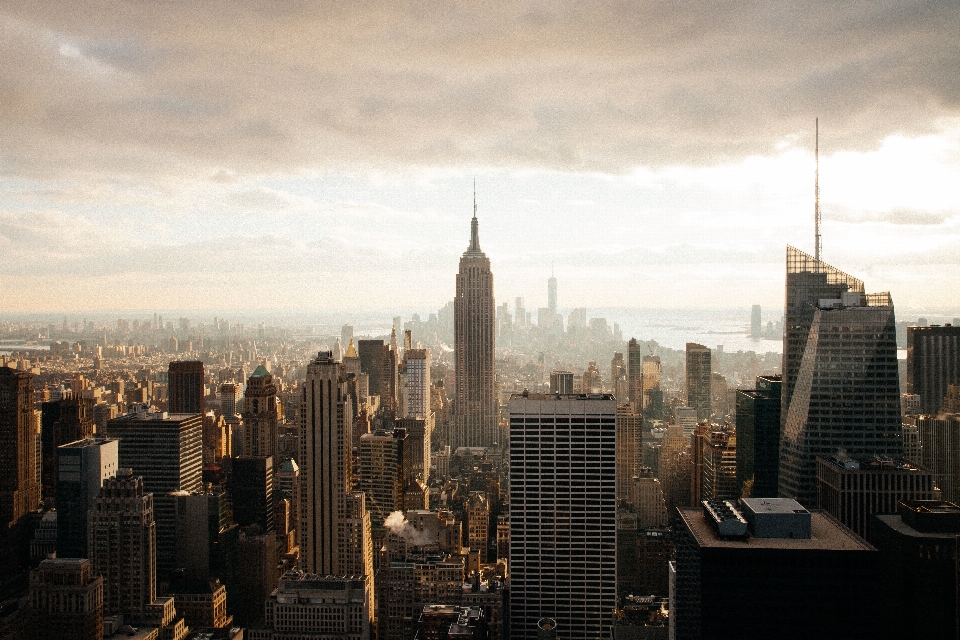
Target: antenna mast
[(816, 191)]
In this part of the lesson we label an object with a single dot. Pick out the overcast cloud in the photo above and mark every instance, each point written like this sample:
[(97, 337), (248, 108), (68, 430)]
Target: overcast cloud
[(335, 144)]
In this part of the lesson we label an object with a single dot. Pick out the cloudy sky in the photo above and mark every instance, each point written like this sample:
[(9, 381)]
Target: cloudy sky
[(285, 155)]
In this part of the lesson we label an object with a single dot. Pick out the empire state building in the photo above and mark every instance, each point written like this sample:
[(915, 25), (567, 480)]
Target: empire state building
[(475, 407)]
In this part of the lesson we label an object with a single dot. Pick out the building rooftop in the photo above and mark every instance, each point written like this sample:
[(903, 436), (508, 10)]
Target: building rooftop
[(870, 463), (774, 505), (826, 535)]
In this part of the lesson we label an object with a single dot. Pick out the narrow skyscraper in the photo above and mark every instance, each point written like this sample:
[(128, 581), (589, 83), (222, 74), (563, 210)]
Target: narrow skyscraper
[(475, 406), (699, 380), (185, 386), (19, 481), (260, 415)]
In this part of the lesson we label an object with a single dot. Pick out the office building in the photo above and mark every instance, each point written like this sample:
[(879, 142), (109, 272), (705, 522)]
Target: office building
[(19, 477), (635, 371), (618, 378), (381, 476), (854, 490), (826, 582), (552, 294), (185, 386), (715, 464), (250, 483), (82, 466), (416, 453), (65, 420), (260, 415), (940, 452), (201, 602), (370, 353), (846, 392), (475, 409), (561, 382), (122, 545), (231, 400), (306, 606), (699, 378), (417, 387), (758, 438), (478, 523), (756, 322), (166, 450), (933, 364), (563, 524), (207, 536), (334, 523), (918, 551), (652, 395), (808, 281), (629, 441), (65, 601)]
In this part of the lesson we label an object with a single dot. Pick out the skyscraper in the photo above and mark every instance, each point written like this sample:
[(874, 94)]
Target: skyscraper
[(563, 530), (552, 294), (846, 389), (66, 600), (260, 415), (167, 451), (417, 389), (123, 539), (334, 523), (635, 371), (699, 380), (19, 481), (82, 467), (475, 405), (62, 421), (758, 437), (933, 364), (185, 386)]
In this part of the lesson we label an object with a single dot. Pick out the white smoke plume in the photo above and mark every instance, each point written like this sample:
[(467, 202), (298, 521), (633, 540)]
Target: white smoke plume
[(397, 523)]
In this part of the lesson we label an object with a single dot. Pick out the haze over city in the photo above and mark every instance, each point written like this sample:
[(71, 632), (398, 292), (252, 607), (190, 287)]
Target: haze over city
[(292, 157)]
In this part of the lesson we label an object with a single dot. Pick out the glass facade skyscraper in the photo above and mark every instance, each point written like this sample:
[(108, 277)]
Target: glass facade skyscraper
[(841, 384)]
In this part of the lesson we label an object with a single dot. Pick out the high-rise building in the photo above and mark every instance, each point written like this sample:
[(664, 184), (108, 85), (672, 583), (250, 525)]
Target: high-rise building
[(185, 386), (756, 322), (846, 393), (66, 600), (418, 383), (918, 559), (475, 404), (715, 464), (635, 371), (854, 490), (808, 281), (381, 473), (371, 354), (82, 466), (933, 364), (231, 403), (250, 484), (478, 523), (552, 294), (618, 377), (651, 394), (940, 452), (629, 441), (65, 420), (699, 380), (563, 529), (260, 415), (166, 450), (825, 584), (206, 534), (122, 539), (335, 536), (19, 479), (758, 438), (561, 382)]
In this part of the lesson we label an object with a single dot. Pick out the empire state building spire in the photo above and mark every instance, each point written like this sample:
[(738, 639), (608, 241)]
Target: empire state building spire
[(474, 248)]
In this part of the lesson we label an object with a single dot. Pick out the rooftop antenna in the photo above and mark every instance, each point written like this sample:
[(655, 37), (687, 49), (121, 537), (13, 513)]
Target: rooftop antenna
[(816, 191), (474, 197)]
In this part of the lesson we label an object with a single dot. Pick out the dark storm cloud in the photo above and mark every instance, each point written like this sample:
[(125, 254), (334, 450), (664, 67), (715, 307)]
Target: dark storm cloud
[(600, 86)]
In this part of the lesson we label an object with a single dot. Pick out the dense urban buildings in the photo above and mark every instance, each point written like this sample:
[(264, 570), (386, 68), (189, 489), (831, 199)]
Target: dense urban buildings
[(475, 410), (563, 529), (306, 606), (845, 393), (82, 466), (66, 600), (933, 364)]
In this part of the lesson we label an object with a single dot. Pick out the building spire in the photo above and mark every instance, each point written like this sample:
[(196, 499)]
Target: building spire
[(816, 191), (474, 226)]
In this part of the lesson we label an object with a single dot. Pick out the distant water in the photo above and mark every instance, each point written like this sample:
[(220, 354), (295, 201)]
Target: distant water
[(674, 328)]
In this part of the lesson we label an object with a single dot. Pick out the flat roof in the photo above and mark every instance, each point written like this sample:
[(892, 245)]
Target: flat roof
[(826, 535), (773, 505), (896, 523)]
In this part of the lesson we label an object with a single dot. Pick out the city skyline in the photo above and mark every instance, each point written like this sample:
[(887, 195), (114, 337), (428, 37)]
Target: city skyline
[(237, 155)]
